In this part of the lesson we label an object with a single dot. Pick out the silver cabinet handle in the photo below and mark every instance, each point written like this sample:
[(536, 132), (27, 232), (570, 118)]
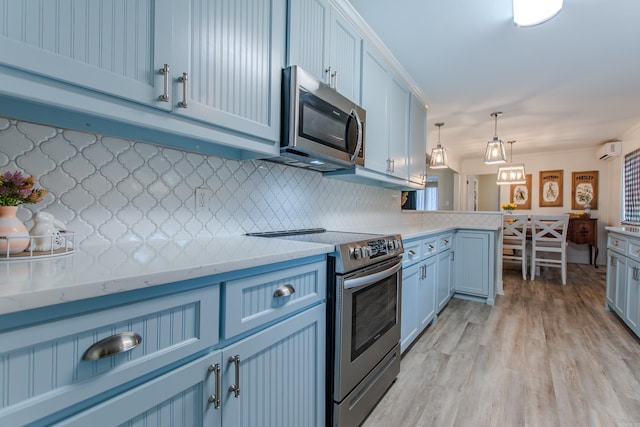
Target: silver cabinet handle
[(284, 291), (431, 247), (184, 79), (635, 273), (446, 241), (165, 71), (110, 346), (334, 80), (215, 398), (612, 262), (615, 242), (327, 73), (453, 256), (391, 165), (235, 388), (412, 252)]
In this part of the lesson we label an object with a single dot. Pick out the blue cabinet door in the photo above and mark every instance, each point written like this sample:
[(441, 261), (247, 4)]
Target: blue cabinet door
[(616, 279), (472, 263), (375, 88), (177, 399), (398, 108), (411, 277), (417, 141), (232, 53), (345, 57), (427, 292), (280, 373), (444, 288), (632, 296), (309, 27), (113, 47)]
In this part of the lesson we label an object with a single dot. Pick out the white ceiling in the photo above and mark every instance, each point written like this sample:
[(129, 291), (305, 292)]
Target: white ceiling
[(573, 81)]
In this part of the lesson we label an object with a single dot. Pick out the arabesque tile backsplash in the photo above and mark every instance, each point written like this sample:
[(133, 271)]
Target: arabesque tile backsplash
[(111, 190)]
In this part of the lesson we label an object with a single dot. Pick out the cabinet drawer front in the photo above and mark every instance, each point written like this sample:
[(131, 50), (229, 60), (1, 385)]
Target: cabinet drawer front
[(445, 241), (254, 301), (633, 249), (412, 252), (617, 243), (430, 246), (41, 367)]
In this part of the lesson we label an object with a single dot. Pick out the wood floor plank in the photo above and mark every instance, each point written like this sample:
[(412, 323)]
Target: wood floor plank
[(543, 355)]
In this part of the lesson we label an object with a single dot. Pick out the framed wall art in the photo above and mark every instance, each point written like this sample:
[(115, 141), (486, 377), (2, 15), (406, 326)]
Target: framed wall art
[(584, 190), (550, 189), (521, 194)]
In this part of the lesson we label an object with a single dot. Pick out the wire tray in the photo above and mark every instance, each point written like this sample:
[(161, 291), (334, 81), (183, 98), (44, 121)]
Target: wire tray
[(62, 243)]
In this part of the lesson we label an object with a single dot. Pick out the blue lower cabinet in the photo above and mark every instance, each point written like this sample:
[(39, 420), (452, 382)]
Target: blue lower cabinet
[(273, 378), (409, 305), (444, 289), (427, 293), (473, 268)]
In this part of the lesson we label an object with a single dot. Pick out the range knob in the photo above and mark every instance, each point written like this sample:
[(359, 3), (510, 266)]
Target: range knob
[(356, 252)]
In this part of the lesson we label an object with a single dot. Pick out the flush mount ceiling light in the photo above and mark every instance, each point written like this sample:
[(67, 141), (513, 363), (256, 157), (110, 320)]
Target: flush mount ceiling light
[(510, 173), (495, 148), (438, 154), (527, 13)]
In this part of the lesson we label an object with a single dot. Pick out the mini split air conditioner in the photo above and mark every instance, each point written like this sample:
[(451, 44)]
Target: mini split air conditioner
[(609, 150)]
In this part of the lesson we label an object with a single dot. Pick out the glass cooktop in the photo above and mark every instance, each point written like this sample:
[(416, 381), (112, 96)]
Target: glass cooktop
[(318, 235)]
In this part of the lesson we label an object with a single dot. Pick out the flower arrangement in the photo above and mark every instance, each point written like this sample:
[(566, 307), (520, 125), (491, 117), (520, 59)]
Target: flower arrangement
[(17, 189), (508, 206)]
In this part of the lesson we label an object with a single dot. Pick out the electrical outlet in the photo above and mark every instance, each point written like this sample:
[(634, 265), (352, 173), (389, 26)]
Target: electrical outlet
[(203, 195)]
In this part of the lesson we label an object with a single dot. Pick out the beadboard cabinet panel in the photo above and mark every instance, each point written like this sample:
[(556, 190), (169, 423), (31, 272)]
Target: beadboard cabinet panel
[(417, 141), (233, 54), (309, 27), (114, 47), (345, 57)]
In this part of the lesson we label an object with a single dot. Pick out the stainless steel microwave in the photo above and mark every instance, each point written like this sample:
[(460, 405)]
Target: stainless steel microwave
[(321, 129)]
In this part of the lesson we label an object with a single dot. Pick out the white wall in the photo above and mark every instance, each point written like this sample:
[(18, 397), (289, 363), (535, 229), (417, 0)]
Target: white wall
[(630, 142)]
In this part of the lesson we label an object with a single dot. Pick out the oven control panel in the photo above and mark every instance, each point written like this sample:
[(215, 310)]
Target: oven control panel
[(376, 248)]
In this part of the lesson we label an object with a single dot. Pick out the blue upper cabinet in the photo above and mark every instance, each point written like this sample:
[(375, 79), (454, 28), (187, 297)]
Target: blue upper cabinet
[(417, 141), (325, 44), (113, 47), (210, 70), (231, 54)]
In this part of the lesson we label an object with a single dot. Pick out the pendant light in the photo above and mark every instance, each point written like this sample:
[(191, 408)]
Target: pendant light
[(527, 13), (495, 148), (510, 173), (438, 154)]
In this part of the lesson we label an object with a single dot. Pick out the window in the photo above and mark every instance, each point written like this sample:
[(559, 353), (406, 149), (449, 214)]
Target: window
[(427, 199), (631, 196)]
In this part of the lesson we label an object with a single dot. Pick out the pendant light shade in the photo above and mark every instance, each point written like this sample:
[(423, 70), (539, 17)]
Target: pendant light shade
[(438, 154), (495, 148), (511, 173), (527, 13)]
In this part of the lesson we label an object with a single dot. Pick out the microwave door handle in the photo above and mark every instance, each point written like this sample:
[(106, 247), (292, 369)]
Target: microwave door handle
[(354, 113), (371, 279)]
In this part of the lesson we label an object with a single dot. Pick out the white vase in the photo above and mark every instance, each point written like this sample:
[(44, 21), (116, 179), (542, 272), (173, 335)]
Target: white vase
[(16, 236)]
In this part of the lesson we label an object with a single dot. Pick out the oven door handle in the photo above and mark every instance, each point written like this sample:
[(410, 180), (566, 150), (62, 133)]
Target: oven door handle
[(354, 114), (370, 279)]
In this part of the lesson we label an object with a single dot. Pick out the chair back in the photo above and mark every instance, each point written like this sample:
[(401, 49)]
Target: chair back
[(514, 230), (549, 229)]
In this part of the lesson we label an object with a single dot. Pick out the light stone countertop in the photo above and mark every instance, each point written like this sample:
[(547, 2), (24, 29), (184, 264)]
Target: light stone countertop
[(409, 232), (102, 270), (629, 230)]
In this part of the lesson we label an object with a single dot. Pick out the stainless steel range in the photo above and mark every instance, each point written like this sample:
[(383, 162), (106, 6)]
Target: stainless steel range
[(363, 319)]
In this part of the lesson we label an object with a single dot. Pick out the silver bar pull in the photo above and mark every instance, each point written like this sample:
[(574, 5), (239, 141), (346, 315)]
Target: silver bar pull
[(284, 291), (165, 72), (612, 262), (334, 80), (110, 346), (184, 79), (215, 398), (327, 73), (235, 388)]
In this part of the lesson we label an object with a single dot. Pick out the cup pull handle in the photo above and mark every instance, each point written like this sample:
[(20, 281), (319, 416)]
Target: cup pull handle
[(412, 252), (284, 291), (110, 346)]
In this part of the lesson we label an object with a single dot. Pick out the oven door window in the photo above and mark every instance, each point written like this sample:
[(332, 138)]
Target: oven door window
[(374, 312), (323, 123)]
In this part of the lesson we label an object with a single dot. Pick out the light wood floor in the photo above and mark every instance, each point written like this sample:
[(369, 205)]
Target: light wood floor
[(544, 355)]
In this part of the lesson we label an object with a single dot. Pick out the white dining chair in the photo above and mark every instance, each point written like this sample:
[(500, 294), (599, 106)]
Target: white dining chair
[(514, 241), (549, 243)]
